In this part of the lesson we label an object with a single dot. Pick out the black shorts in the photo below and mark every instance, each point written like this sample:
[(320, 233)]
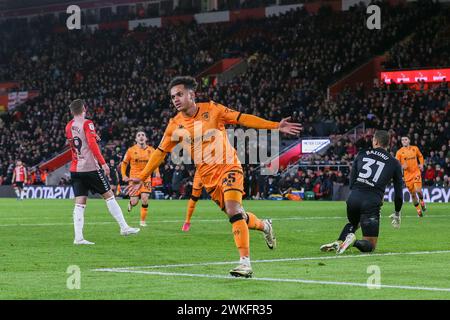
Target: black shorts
[(363, 209), (94, 181), (19, 184)]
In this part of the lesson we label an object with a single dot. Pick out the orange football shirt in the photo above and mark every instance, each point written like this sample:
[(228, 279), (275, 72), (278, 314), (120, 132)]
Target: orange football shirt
[(137, 158), (409, 158), (204, 137)]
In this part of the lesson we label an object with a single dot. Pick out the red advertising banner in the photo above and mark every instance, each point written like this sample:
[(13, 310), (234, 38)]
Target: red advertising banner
[(413, 76), (3, 103), (243, 14)]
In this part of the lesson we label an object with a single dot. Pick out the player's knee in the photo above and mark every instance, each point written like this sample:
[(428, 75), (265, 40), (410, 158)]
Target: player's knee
[(134, 202), (370, 227), (108, 194), (367, 247), (233, 209), (237, 217), (80, 200)]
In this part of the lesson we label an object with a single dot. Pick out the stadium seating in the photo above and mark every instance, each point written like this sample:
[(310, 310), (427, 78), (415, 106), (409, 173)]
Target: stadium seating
[(292, 59)]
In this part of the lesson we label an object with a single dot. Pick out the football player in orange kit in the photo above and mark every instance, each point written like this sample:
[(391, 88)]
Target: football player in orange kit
[(136, 157), (411, 160), (221, 175)]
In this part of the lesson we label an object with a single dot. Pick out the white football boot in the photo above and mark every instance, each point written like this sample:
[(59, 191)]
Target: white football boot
[(242, 270), (128, 231), (349, 241), (78, 242), (333, 246), (269, 235)]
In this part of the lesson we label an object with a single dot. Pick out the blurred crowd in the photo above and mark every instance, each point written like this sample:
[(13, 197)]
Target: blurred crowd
[(428, 47), (291, 59)]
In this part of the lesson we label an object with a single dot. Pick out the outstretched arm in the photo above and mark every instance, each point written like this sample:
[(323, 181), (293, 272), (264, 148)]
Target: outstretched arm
[(156, 158), (284, 126)]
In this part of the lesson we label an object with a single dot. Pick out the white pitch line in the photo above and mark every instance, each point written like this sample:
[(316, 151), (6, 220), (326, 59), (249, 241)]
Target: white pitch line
[(162, 221), (352, 284), (279, 260), (195, 221), (51, 224)]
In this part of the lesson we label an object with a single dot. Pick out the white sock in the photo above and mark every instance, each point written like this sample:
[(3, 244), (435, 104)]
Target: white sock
[(245, 261), (116, 212), (17, 192), (78, 221)]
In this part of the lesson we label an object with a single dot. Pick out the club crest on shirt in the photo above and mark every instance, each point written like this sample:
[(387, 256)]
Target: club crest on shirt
[(205, 116)]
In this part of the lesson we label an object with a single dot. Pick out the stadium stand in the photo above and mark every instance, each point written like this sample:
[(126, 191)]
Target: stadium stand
[(292, 59)]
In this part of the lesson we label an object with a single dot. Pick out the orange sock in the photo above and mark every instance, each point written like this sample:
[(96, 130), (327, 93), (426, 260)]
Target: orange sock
[(144, 210), (254, 223), (190, 210), (241, 237)]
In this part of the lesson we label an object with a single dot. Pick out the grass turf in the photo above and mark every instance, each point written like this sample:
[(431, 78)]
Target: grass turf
[(36, 249)]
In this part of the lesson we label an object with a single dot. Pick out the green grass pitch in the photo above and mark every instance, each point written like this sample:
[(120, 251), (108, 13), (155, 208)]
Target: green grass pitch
[(161, 262)]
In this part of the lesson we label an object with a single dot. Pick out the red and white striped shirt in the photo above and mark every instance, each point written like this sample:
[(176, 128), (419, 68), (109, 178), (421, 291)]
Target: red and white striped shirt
[(19, 174), (86, 155)]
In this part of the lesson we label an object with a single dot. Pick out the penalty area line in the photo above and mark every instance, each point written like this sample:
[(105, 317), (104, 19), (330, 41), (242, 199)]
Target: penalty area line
[(302, 281)]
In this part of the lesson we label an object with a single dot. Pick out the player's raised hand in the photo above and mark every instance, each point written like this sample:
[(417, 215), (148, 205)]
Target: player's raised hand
[(134, 187), (291, 128)]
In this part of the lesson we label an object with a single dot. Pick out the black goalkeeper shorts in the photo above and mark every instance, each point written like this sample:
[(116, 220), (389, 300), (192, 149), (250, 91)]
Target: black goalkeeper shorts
[(363, 208)]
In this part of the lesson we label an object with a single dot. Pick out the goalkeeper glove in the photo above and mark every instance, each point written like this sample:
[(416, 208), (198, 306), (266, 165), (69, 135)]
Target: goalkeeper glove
[(396, 219)]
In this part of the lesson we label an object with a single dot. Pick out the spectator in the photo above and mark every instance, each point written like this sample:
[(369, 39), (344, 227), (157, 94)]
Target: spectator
[(272, 186), (177, 179), (430, 175)]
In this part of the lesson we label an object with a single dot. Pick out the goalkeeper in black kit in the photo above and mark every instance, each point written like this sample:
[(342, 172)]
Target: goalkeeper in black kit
[(372, 171)]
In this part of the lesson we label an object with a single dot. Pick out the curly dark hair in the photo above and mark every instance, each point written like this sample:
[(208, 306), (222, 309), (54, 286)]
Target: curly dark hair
[(187, 81)]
